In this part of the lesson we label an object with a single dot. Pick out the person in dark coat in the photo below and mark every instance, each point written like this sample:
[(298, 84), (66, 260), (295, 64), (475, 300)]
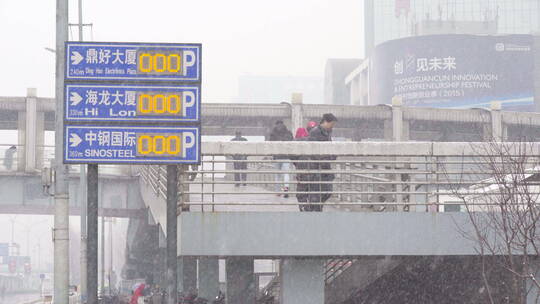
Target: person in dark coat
[(280, 132), (302, 188), (323, 132), (239, 177)]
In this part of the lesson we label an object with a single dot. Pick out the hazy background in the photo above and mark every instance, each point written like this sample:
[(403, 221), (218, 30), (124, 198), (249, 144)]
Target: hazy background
[(239, 37)]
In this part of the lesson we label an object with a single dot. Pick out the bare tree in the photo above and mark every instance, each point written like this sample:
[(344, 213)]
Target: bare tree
[(499, 191)]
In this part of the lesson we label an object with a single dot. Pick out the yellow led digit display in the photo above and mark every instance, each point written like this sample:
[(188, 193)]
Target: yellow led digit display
[(165, 63), (162, 104), (167, 145)]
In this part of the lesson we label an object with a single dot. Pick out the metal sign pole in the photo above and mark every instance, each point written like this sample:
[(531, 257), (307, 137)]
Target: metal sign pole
[(82, 193), (102, 272), (92, 239), (172, 201), (61, 193)]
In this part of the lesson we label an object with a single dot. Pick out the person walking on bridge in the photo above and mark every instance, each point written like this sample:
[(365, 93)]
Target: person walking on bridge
[(280, 132), (300, 162), (239, 177), (8, 157), (321, 191)]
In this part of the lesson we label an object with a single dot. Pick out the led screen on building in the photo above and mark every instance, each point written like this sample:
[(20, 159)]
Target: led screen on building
[(455, 71)]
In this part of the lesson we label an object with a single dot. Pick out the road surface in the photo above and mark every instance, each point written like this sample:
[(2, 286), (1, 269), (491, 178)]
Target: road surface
[(20, 298)]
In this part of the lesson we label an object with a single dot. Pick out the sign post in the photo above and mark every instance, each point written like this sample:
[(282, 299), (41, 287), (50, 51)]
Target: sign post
[(132, 103)]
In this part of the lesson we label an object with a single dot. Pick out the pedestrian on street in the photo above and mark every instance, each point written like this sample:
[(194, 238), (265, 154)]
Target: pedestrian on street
[(322, 190), (239, 177), (280, 132)]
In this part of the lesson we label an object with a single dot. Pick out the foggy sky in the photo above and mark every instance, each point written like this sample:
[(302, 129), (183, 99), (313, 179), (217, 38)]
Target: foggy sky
[(239, 37)]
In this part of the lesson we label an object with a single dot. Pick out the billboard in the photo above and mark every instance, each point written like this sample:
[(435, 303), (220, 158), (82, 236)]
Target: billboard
[(455, 71)]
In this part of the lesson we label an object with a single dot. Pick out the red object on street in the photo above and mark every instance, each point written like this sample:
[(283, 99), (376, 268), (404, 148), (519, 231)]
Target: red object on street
[(138, 292)]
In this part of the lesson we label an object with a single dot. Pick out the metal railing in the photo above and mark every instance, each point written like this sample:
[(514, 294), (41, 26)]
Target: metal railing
[(422, 177), (13, 161), (335, 267)]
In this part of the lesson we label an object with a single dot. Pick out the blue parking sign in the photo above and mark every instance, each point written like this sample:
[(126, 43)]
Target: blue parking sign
[(133, 61), (132, 103), (131, 145)]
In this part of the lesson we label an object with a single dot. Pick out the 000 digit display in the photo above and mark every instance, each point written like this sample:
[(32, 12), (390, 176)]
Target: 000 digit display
[(159, 145)]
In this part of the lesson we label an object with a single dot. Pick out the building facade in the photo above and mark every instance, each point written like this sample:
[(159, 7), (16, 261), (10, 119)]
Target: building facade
[(393, 19), (406, 23)]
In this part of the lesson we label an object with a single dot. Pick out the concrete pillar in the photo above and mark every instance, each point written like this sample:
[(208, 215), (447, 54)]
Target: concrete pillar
[(302, 281), (400, 127), (208, 278), (21, 133), (498, 129), (297, 115), (187, 274), (241, 287), (30, 128)]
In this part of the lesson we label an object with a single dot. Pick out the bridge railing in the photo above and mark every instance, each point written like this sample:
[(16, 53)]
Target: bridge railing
[(11, 154), (400, 176)]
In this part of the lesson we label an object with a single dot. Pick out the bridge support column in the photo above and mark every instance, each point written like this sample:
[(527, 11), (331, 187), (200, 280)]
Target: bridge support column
[(187, 274), (297, 115), (400, 127), (208, 278), (302, 281), (21, 134), (241, 287), (30, 130), (498, 129)]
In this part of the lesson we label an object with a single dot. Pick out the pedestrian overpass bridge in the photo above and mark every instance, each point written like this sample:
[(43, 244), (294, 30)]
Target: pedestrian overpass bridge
[(393, 202)]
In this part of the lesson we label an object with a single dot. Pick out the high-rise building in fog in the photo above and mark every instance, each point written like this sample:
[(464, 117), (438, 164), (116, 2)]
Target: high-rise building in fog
[(393, 19), (489, 37)]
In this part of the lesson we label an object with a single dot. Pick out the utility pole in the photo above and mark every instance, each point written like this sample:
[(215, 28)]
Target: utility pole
[(92, 240), (82, 193), (102, 252), (172, 230), (111, 252), (82, 204), (61, 195), (80, 23)]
